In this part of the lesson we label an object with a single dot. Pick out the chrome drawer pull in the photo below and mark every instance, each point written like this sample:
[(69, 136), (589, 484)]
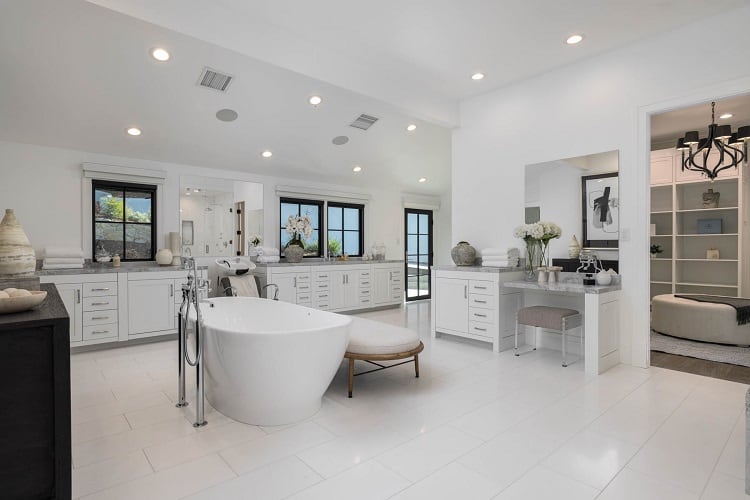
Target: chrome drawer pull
[(99, 332), (100, 289), (480, 329), (480, 315), (100, 303), (99, 318), (480, 287), (323, 296), (365, 283), (480, 301)]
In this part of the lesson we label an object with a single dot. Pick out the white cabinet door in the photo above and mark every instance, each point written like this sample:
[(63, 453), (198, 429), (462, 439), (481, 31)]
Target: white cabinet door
[(151, 305), (352, 285), (71, 298), (286, 284), (381, 291), (661, 169), (452, 304), (338, 289)]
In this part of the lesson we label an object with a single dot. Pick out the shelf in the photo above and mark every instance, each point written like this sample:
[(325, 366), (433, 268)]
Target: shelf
[(663, 259), (661, 235), (704, 235), (714, 285), (707, 260), (690, 210), (724, 180), (661, 283)]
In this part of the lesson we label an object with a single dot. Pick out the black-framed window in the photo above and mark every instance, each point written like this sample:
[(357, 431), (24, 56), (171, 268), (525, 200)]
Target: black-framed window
[(296, 207), (124, 219), (345, 229)]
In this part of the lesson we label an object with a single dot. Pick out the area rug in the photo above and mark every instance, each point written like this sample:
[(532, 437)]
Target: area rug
[(702, 350)]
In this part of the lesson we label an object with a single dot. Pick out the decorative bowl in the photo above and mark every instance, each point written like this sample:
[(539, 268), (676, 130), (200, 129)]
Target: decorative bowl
[(18, 304)]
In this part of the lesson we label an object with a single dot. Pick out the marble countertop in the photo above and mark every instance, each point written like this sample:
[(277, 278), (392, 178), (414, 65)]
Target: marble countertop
[(478, 269), (105, 268), (321, 262), (564, 287)]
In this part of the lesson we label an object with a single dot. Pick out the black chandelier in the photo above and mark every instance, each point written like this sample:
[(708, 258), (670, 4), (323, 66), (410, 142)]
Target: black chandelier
[(731, 148)]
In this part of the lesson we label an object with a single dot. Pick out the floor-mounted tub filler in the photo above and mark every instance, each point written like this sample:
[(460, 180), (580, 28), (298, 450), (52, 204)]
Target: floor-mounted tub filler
[(268, 362)]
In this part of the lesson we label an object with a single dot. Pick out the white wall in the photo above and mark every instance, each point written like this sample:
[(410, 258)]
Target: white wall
[(43, 185), (593, 106)]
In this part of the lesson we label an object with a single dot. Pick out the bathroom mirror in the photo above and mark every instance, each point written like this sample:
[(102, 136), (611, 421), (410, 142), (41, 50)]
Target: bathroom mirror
[(219, 217), (580, 195)]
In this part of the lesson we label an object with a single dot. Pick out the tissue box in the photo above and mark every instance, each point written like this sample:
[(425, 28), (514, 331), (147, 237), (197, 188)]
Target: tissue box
[(709, 226)]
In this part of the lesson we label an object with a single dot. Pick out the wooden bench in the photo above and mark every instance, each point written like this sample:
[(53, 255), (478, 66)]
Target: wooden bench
[(373, 341)]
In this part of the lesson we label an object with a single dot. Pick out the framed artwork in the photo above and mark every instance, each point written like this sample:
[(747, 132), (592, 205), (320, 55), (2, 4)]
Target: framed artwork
[(600, 210)]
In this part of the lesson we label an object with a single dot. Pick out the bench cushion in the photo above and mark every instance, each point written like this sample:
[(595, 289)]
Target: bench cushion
[(546, 317), (374, 337), (702, 321)]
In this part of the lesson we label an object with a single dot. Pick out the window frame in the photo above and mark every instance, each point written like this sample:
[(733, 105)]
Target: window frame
[(124, 187), (360, 231), (321, 222)]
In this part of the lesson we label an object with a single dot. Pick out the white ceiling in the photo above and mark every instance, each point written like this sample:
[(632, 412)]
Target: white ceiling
[(76, 75), (666, 128), (419, 54)]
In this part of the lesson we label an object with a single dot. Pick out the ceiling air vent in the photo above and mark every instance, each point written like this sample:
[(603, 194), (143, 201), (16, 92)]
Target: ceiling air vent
[(214, 80), (364, 122)]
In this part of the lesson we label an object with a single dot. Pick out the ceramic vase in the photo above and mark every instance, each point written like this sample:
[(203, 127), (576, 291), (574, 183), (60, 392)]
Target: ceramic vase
[(294, 253), (164, 257), (463, 254), (17, 257), (574, 248)]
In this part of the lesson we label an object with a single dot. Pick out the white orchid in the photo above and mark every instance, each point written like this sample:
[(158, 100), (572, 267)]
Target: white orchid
[(255, 239), (298, 225)]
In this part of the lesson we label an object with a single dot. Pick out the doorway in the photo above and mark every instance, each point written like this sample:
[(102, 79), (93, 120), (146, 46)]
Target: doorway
[(418, 252)]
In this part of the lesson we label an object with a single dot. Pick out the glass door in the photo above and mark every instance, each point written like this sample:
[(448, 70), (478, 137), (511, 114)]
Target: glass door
[(418, 225)]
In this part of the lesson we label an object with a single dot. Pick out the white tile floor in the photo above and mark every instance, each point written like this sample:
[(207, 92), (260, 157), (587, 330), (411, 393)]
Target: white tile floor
[(475, 425)]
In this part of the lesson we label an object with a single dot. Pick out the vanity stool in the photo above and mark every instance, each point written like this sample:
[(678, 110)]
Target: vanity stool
[(550, 318)]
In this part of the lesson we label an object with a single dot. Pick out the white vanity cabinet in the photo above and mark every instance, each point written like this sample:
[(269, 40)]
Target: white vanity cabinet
[(348, 286), (151, 306), (91, 301), (475, 305)]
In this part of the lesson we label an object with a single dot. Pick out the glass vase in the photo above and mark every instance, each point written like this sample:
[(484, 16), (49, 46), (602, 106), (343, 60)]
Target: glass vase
[(533, 259)]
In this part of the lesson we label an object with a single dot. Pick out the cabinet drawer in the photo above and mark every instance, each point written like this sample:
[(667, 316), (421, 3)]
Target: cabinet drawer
[(99, 303), (100, 332), (303, 287), (482, 315), (482, 287), (481, 329), (486, 301), (99, 317), (324, 295), (323, 305), (323, 276), (100, 289), (303, 278)]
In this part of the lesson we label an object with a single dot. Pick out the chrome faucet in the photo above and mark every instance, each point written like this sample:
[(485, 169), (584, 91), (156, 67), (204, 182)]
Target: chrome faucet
[(276, 290)]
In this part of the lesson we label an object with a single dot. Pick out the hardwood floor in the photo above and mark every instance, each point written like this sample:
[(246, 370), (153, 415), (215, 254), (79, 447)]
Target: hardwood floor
[(714, 369)]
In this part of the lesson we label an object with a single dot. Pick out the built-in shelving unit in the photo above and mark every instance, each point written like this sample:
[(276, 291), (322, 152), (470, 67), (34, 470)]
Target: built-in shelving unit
[(676, 209)]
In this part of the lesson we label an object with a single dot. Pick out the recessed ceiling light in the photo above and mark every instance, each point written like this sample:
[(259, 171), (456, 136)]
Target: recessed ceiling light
[(411, 127), (423, 179), (726, 116), (134, 131), (477, 76), (226, 115), (357, 168), (266, 154), (315, 100), (574, 39), (160, 54)]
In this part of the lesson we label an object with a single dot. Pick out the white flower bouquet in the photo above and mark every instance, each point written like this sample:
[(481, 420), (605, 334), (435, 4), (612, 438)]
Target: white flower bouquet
[(537, 237), (297, 227), (255, 239)]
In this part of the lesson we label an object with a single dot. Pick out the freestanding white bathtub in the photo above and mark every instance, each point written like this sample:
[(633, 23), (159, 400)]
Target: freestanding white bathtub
[(270, 362)]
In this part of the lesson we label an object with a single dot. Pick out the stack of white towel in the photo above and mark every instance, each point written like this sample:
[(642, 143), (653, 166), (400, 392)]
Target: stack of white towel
[(498, 257), (63, 258), (268, 255)]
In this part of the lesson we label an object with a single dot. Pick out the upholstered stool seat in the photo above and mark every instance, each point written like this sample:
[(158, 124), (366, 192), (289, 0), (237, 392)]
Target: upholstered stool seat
[(550, 318), (372, 341)]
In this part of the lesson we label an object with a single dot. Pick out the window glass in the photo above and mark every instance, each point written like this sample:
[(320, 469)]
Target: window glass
[(313, 210), (351, 219), (345, 233), (122, 220)]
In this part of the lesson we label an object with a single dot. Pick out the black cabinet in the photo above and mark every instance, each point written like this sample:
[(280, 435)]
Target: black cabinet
[(35, 451)]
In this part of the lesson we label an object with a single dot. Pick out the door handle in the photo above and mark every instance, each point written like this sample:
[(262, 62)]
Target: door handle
[(465, 292), (78, 296), (295, 282), (171, 290)]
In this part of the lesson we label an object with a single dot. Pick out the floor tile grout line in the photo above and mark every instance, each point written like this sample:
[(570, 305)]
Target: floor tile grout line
[(718, 458)]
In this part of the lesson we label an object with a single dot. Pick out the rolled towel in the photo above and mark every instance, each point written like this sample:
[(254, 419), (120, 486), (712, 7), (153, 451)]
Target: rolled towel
[(497, 264), (268, 259), (500, 262), (63, 260), (268, 251), (501, 252), (62, 266), (63, 252)]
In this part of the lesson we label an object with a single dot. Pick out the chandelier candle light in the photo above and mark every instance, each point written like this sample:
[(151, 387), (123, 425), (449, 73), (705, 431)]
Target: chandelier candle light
[(731, 148)]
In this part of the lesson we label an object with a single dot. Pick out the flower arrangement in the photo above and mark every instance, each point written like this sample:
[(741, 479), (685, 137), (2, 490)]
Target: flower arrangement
[(297, 227), (537, 237), (255, 239)]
